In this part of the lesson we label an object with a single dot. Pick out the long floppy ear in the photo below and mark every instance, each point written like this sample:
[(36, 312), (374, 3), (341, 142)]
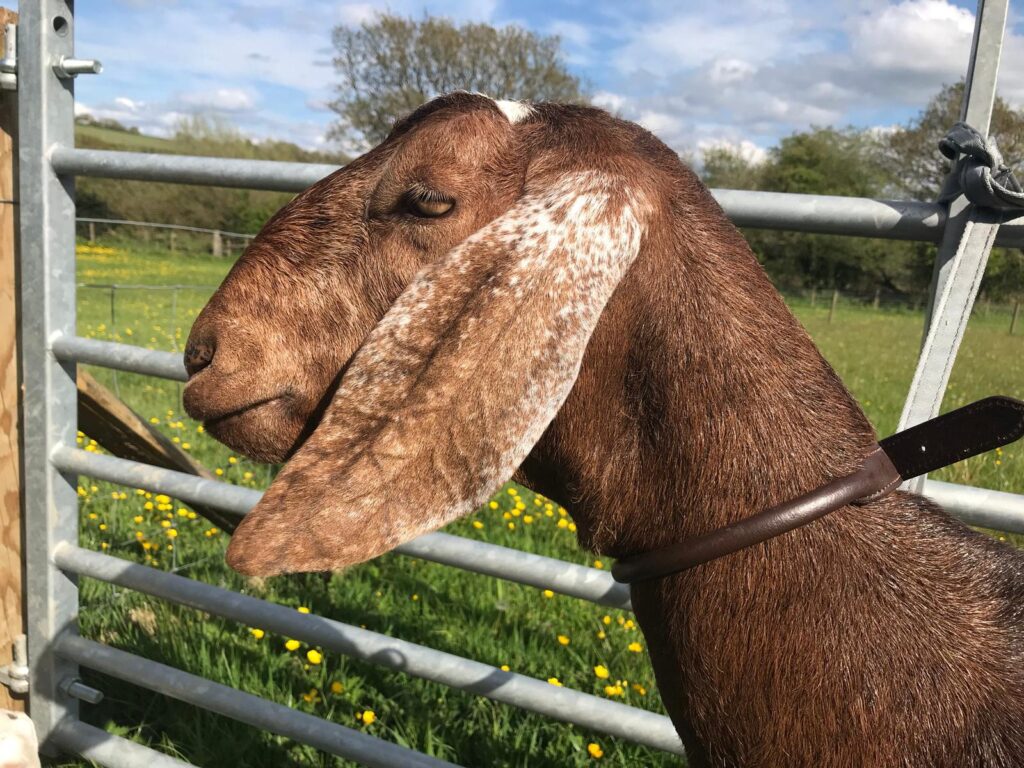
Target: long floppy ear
[(455, 385)]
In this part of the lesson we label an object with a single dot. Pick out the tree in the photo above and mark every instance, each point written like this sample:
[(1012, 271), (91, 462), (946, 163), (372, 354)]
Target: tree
[(391, 64), (919, 169), (726, 168)]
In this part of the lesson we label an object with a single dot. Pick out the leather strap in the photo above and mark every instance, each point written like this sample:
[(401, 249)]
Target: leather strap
[(876, 478)]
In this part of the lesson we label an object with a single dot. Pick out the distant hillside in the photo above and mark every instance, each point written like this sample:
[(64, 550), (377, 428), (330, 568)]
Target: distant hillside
[(228, 209)]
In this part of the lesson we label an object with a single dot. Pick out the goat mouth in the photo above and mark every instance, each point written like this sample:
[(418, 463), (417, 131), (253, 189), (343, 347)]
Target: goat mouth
[(213, 418)]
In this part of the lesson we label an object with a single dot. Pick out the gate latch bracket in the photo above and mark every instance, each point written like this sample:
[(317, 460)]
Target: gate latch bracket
[(15, 674)]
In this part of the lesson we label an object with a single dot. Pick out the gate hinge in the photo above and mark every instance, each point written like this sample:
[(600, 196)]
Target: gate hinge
[(15, 674)]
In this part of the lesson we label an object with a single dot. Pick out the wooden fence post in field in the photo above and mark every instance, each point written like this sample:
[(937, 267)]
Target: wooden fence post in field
[(878, 293), (832, 309), (172, 243), (92, 232), (1016, 314), (217, 244), (11, 610), (814, 297)]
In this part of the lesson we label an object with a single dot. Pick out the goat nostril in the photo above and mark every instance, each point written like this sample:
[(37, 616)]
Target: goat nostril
[(198, 355)]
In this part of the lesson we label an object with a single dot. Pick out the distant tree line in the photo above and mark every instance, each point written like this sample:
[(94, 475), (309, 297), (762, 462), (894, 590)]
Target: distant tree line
[(902, 164)]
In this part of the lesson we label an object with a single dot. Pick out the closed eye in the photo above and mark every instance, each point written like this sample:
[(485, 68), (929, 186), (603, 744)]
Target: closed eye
[(427, 203)]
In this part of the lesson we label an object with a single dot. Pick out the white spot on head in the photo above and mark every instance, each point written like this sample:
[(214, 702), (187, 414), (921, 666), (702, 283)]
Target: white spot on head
[(515, 111)]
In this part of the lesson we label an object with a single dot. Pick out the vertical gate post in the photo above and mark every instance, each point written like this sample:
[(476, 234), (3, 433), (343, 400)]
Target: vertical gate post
[(47, 264), (966, 240), (11, 564)]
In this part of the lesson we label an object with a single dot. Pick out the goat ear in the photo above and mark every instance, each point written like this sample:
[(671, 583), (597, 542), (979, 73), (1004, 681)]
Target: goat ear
[(455, 385)]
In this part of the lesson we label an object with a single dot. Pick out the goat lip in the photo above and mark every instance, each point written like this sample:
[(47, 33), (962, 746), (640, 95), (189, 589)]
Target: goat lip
[(213, 417)]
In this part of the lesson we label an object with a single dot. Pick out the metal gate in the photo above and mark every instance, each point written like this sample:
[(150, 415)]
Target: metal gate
[(51, 349)]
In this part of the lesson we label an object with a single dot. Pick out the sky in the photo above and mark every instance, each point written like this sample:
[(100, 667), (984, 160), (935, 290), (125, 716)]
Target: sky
[(742, 73)]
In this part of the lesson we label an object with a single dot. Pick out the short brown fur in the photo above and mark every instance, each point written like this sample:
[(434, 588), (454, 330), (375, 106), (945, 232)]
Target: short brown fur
[(882, 635)]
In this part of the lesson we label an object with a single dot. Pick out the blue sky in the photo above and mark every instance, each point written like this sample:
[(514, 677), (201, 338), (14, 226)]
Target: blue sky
[(698, 74)]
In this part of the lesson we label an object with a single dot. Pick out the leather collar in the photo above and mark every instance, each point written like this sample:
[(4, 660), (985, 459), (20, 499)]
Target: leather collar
[(959, 434)]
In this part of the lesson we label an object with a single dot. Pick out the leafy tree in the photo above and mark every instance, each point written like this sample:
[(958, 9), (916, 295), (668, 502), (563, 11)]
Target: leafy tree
[(917, 166), (726, 168), (391, 64)]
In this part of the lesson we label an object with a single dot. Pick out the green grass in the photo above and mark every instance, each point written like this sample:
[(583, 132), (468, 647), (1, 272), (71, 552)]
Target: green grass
[(482, 618)]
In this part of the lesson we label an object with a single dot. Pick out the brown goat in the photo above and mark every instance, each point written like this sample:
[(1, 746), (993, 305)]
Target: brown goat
[(549, 290)]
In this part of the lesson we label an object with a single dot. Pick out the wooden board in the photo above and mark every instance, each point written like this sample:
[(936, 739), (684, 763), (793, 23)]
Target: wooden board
[(123, 433), (11, 567)]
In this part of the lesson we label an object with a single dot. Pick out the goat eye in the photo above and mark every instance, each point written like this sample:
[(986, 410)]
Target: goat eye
[(430, 207)]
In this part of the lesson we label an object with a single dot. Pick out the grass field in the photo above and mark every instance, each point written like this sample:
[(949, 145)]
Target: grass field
[(538, 634)]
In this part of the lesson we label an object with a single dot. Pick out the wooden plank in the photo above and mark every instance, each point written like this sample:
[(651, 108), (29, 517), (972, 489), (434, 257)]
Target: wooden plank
[(123, 433), (11, 566)]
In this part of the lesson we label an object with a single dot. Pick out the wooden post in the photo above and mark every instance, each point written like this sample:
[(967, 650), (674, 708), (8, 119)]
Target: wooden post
[(1016, 314), (878, 293), (814, 297), (832, 309), (172, 241), (92, 231), (216, 244), (11, 565)]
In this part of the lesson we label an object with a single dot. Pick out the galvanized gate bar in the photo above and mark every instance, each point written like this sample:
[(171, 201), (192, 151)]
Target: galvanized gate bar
[(567, 705), (106, 749), (273, 175), (122, 357), (537, 571), (825, 214), (47, 307), (985, 508), (244, 707), (969, 235)]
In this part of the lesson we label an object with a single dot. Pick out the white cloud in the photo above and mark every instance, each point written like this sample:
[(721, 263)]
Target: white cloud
[(613, 102), (931, 36), (219, 100)]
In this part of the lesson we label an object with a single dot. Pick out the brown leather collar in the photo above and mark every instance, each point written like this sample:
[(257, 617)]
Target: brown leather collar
[(921, 449), (876, 478)]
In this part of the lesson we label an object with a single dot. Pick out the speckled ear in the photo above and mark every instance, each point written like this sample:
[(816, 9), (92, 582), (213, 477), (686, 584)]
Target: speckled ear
[(455, 385)]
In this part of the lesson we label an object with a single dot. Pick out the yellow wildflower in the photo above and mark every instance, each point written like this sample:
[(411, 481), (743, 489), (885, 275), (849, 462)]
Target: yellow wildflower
[(527, 519), (504, 668), (163, 499), (312, 697), (172, 533), (563, 640), (477, 524), (601, 671), (595, 750), (368, 717), (639, 689), (513, 492), (165, 523), (511, 526), (257, 633), (292, 645), (635, 647), (232, 460), (302, 609), (218, 471), (548, 593), (601, 635), (563, 523), (554, 681), (598, 564), (606, 619), (154, 420), (314, 657), (337, 687), (493, 505)]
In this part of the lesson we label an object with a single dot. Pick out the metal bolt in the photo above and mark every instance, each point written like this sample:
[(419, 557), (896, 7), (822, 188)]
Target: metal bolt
[(68, 67), (76, 689)]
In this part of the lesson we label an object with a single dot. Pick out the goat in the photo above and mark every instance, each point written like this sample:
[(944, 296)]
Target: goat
[(547, 290)]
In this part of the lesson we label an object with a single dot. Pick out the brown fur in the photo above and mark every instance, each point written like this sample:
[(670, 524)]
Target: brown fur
[(882, 635)]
